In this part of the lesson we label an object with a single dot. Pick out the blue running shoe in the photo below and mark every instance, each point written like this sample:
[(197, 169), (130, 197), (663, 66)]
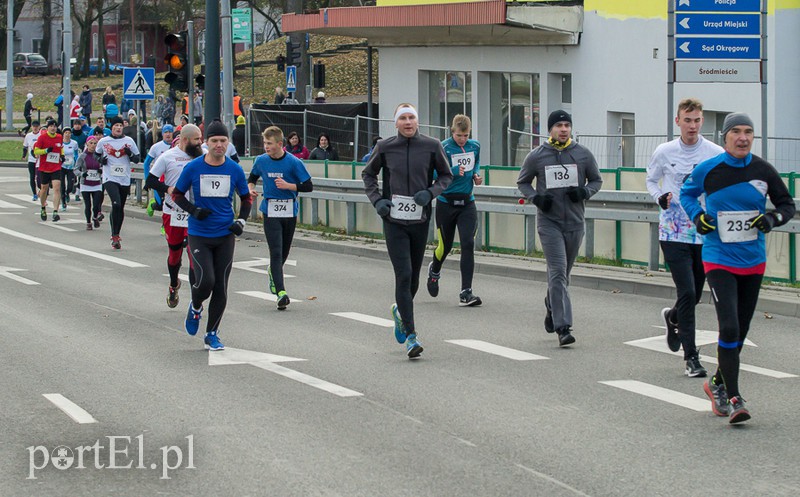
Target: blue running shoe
[(271, 282), (193, 320), (399, 328), (413, 346), (212, 342)]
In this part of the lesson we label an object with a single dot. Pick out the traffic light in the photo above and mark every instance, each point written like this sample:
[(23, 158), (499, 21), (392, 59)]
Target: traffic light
[(280, 61), (200, 81), (177, 60), (293, 55), (319, 75)]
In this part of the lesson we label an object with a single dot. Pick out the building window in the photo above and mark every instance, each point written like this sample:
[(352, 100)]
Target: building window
[(449, 93), (37, 46), (566, 88), (514, 117), (127, 51)]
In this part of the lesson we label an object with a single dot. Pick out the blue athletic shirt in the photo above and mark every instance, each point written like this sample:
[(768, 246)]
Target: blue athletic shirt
[(289, 168), (198, 178), (461, 184), (732, 185)]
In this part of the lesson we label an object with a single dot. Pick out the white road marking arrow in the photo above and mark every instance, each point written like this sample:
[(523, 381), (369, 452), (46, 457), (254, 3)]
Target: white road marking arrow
[(6, 271), (658, 344), (684, 46), (685, 23), (265, 296), (261, 261), (267, 362)]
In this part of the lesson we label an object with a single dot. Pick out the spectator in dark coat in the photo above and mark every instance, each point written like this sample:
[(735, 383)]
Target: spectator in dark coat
[(324, 150), (238, 136), (85, 102)]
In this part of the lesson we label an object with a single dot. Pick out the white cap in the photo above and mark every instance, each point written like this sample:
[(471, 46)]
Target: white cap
[(131, 111), (30, 96), (321, 94)]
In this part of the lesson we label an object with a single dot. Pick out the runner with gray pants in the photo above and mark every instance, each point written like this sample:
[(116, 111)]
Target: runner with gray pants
[(566, 175)]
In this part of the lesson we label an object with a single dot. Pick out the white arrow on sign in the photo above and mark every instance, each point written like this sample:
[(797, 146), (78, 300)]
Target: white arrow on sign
[(6, 271), (685, 23), (267, 362), (685, 47), (683, 2)]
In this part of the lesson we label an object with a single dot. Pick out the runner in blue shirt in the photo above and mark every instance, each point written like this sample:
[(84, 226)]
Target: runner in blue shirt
[(282, 176), (211, 180)]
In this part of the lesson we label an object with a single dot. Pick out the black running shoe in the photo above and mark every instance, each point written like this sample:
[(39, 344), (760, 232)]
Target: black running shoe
[(467, 299), (548, 318), (56, 217), (739, 412), (172, 297), (565, 337), (694, 369), (43, 214), (673, 340), (283, 301), (433, 281)]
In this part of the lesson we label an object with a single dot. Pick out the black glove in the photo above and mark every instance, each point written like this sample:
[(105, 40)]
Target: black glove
[(24, 152), (764, 222), (578, 193), (705, 223), (48, 150), (103, 160), (128, 151), (543, 201), (663, 201), (237, 228), (384, 207), (85, 175), (423, 197), (201, 213)]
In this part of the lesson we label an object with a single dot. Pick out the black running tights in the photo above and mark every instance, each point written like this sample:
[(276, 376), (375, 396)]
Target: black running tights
[(118, 195), (279, 232), (92, 202), (212, 259), (406, 245)]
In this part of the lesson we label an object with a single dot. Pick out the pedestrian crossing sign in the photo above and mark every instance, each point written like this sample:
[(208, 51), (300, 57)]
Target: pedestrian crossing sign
[(138, 83), (291, 78)]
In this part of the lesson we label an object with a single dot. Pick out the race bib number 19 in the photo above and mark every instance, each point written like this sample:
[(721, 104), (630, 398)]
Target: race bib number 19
[(561, 176), (733, 226), (215, 185), (405, 208)]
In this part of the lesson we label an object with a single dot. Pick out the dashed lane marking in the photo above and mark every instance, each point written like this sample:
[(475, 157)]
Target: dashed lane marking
[(662, 394), (491, 348)]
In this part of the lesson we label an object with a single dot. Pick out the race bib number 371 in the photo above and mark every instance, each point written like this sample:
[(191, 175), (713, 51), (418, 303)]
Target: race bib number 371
[(215, 185)]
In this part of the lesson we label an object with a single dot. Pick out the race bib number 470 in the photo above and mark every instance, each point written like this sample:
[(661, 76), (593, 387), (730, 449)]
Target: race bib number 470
[(561, 176), (405, 208), (215, 185), (734, 226)]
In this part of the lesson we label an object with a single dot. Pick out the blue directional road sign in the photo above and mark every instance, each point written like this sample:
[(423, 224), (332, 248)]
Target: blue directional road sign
[(717, 48), (717, 24), (718, 6), (138, 83), (291, 78)]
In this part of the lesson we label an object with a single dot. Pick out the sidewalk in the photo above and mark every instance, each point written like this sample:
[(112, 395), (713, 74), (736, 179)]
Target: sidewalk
[(637, 281)]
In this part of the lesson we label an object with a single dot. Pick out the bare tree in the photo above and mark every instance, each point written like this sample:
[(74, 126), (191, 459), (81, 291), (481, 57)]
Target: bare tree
[(4, 23), (47, 23)]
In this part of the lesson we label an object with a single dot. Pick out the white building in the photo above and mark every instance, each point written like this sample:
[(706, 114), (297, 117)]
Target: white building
[(605, 61)]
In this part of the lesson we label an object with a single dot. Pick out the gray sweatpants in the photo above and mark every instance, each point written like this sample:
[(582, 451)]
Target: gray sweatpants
[(560, 250)]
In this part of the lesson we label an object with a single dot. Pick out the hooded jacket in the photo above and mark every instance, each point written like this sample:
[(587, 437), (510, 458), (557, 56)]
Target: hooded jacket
[(86, 102), (407, 166), (565, 213)]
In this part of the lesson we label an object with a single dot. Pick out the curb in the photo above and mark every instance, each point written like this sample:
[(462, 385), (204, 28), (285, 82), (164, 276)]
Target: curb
[(772, 299)]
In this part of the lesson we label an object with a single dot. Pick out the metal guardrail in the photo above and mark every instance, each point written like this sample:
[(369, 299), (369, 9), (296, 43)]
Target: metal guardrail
[(611, 205)]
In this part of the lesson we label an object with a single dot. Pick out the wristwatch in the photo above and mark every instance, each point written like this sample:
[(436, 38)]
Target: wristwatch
[(778, 216)]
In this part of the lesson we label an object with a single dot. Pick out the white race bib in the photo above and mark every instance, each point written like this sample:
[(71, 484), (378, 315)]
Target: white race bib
[(734, 228), (68, 160), (561, 176), (179, 218), (466, 159), (280, 207), (118, 170), (215, 185), (93, 175), (405, 208), (53, 157)]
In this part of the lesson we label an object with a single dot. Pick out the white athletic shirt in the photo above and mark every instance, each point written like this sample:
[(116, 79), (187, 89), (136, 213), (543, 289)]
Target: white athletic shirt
[(159, 148), (30, 141), (118, 168), (170, 165), (671, 164)]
